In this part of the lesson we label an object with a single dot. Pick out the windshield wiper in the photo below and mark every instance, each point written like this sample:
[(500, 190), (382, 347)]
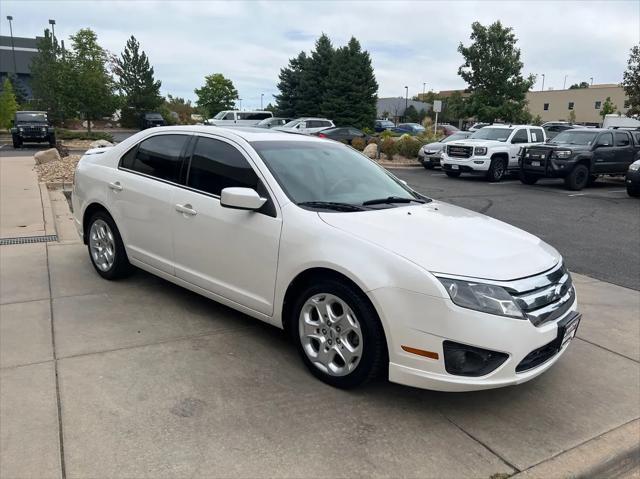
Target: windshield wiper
[(390, 200), (331, 205)]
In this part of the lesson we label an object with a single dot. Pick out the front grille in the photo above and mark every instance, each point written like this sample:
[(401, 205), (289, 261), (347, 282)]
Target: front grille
[(33, 131), (456, 151)]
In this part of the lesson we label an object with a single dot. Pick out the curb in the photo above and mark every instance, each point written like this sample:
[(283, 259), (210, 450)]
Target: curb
[(613, 454), (47, 210)]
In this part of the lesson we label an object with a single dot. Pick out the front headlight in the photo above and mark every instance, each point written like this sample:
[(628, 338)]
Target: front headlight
[(563, 154), (480, 150), (429, 152), (635, 166), (487, 298), (44, 129)]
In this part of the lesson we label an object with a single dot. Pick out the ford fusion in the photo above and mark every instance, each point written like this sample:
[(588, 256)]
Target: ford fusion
[(367, 276)]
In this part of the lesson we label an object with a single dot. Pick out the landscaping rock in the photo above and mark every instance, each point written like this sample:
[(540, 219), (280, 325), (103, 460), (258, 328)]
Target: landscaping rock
[(371, 150), (100, 144), (47, 156)]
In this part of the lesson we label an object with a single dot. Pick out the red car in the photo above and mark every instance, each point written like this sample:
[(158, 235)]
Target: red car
[(446, 129)]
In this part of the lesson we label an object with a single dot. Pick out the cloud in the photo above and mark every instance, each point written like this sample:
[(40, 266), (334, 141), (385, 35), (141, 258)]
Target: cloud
[(411, 42)]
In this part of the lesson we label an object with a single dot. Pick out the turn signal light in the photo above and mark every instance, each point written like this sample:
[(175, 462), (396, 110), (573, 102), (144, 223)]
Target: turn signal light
[(420, 352)]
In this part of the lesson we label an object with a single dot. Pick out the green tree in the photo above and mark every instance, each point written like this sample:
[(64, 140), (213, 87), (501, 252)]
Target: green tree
[(183, 108), (537, 120), (315, 78), (411, 115), (455, 107), (8, 104), (493, 72), (272, 108), (93, 87), (217, 94), (607, 108), (365, 97), (140, 91), (631, 81), (289, 86), (577, 86)]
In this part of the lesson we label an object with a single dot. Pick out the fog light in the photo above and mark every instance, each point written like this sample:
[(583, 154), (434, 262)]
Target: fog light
[(463, 360), (479, 162)]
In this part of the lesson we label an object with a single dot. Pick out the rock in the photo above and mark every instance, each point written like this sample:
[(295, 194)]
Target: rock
[(47, 156), (371, 150), (63, 150), (100, 144)]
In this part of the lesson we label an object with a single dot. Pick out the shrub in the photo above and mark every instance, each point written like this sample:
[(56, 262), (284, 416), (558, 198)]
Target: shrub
[(358, 143), (82, 135), (373, 139), (408, 146), (388, 147)]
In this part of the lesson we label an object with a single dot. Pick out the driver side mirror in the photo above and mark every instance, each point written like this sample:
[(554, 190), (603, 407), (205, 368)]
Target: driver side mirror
[(241, 199)]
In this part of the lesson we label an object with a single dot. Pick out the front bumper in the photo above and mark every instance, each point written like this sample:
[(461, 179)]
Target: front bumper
[(425, 322), (473, 165), (431, 159)]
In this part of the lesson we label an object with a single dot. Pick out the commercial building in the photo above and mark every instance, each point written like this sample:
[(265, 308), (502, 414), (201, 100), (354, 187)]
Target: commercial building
[(393, 107), (586, 103), (15, 59)]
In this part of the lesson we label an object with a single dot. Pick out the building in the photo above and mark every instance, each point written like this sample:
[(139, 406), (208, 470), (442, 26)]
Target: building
[(586, 103), (393, 107), (16, 60)]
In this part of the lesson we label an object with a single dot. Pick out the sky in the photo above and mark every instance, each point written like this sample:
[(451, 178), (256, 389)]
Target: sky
[(410, 42)]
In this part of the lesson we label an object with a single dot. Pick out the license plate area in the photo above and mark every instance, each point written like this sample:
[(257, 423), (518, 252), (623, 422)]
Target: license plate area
[(567, 331), (455, 167), (535, 163)]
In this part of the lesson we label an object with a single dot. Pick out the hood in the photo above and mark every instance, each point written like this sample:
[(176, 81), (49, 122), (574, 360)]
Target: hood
[(477, 142), (561, 146), (437, 146), (443, 238)]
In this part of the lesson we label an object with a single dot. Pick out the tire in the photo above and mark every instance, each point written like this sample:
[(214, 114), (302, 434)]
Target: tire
[(497, 170), (103, 243), (333, 299), (17, 142), (452, 174), (578, 178), (427, 166), (633, 191), (528, 179)]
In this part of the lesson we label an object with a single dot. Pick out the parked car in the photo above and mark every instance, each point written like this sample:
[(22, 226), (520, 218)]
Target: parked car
[(236, 117), (477, 126), (579, 156), (632, 179), (364, 274), (306, 126), (382, 125), (150, 120), (32, 127), (446, 129), (615, 120), (273, 122), (408, 129), (490, 152), (429, 155), (344, 134), (552, 129)]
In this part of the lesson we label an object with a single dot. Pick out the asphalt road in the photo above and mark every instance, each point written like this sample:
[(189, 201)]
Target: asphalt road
[(597, 230)]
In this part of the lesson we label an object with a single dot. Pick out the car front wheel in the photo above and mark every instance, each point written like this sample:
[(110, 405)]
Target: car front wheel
[(17, 142), (338, 334), (578, 178), (106, 248), (497, 169), (528, 179)]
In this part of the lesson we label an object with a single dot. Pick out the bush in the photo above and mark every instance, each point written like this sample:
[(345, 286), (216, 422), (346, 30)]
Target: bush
[(408, 146), (358, 143), (82, 135), (388, 147), (373, 139)]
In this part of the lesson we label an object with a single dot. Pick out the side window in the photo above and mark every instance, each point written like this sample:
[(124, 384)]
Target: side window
[(255, 116), (520, 136), (536, 135), (216, 165), (229, 116), (606, 139), (636, 137), (323, 123), (127, 159), (354, 132), (622, 138), (159, 156)]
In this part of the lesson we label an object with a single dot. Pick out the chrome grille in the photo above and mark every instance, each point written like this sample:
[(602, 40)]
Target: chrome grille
[(456, 151), (32, 131)]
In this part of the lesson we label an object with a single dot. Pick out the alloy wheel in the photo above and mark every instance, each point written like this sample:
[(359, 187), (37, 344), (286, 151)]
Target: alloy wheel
[(102, 245)]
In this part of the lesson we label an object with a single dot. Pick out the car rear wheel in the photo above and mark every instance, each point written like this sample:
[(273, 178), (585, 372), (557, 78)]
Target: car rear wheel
[(497, 169), (528, 179), (452, 174), (578, 178), (633, 190), (106, 248), (338, 334)]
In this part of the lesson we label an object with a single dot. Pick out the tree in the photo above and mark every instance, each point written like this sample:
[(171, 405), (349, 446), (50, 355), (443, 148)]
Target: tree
[(272, 108), (315, 78), (577, 86), (411, 114), (8, 104), (631, 81), (455, 107), (217, 94), (183, 108), (141, 92), (607, 108), (537, 120), (93, 87), (289, 86), (493, 71)]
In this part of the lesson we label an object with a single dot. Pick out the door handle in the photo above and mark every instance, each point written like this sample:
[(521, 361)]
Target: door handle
[(115, 186), (186, 209)]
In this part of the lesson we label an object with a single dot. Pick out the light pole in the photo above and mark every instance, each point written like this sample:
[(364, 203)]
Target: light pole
[(239, 103), (564, 85), (406, 99), (591, 81), (13, 48), (542, 89), (261, 97), (424, 86), (52, 22)]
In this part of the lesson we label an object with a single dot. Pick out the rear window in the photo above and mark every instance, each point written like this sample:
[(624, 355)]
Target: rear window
[(622, 138), (537, 135), (253, 115)]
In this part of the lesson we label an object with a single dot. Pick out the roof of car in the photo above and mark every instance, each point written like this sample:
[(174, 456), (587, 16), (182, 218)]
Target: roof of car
[(247, 133)]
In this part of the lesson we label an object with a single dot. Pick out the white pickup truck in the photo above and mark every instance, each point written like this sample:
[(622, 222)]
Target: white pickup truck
[(491, 151)]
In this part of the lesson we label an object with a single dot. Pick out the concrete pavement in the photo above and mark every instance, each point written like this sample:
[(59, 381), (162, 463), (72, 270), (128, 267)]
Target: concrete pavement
[(140, 378)]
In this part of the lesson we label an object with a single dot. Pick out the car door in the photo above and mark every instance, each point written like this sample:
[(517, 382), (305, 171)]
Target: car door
[(604, 153), (623, 154), (519, 139), (302, 127), (141, 198), (229, 252)]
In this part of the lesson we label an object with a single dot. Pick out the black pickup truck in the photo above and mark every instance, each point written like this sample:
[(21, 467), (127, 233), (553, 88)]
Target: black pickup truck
[(579, 156)]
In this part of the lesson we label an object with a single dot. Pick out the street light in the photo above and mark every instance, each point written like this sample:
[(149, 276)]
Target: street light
[(406, 99), (424, 86), (261, 97), (591, 81), (52, 22), (564, 85), (542, 89), (13, 48)]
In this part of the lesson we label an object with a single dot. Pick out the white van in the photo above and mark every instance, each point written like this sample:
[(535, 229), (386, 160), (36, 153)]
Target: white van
[(619, 121), (235, 117)]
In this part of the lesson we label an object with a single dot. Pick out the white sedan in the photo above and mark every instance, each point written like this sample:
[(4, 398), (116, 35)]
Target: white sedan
[(366, 275)]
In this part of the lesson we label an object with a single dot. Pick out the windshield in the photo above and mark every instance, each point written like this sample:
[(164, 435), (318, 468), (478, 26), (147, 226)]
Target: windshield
[(454, 137), (291, 124), (220, 115), (497, 134), (386, 123), (310, 171), (575, 137), (31, 117)]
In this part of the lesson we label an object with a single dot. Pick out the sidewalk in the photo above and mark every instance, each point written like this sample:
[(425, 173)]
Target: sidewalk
[(140, 378)]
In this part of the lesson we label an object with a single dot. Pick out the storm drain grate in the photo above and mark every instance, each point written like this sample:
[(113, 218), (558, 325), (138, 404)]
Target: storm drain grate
[(28, 239)]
